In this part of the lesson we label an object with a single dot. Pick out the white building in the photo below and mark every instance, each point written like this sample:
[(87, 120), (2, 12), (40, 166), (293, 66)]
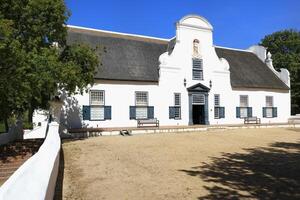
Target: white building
[(185, 80)]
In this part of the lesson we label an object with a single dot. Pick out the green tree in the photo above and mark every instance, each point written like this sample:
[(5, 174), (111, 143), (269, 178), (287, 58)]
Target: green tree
[(285, 49), (32, 68)]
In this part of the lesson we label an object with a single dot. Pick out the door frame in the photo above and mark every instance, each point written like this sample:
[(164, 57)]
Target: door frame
[(198, 89)]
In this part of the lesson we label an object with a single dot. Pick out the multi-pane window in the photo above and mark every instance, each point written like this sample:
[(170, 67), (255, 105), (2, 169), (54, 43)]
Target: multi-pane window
[(243, 106), (97, 97), (141, 98), (141, 102), (269, 101), (97, 105), (97, 113), (269, 106), (217, 106), (219, 111), (177, 107), (197, 69)]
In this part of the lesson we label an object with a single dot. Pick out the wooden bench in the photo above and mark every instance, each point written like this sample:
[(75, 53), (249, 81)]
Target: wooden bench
[(251, 120), (153, 122)]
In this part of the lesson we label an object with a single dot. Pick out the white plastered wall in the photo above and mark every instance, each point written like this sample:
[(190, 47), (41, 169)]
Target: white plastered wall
[(174, 68)]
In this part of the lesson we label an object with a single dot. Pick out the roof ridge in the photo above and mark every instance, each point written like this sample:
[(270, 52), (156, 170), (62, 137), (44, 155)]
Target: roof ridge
[(233, 49), (122, 35)]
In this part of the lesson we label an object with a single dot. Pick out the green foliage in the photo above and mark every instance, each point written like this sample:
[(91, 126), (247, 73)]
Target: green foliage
[(32, 69), (2, 127), (27, 125), (285, 49)]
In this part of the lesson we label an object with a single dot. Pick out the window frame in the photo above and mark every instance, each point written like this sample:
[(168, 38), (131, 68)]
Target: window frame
[(135, 98), (96, 105), (272, 98), (141, 106), (268, 107), (177, 106), (247, 104), (200, 69), (90, 96), (217, 106)]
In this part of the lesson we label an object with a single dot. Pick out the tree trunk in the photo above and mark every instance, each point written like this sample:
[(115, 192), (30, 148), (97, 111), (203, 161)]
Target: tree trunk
[(30, 114)]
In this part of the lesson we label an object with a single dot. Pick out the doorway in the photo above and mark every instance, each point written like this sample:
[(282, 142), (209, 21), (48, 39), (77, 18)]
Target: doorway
[(198, 114)]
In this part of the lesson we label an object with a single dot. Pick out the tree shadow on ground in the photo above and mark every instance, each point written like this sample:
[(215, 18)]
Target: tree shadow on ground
[(271, 172)]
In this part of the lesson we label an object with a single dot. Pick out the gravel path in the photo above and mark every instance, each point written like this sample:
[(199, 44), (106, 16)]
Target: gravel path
[(232, 164)]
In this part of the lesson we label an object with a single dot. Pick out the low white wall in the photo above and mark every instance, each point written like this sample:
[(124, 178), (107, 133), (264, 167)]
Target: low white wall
[(37, 132), (15, 132), (36, 178)]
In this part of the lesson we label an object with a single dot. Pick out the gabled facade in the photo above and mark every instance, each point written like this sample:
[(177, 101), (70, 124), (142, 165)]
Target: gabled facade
[(186, 80)]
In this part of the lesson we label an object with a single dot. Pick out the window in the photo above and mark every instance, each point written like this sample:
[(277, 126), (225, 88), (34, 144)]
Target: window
[(96, 110), (217, 100), (198, 99), (217, 104), (269, 106), (141, 102), (269, 101), (97, 97), (197, 69), (97, 113), (219, 111), (244, 106), (269, 111), (244, 101), (141, 98), (96, 105), (177, 103)]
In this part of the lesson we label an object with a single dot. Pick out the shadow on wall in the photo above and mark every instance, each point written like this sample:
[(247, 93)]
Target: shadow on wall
[(261, 173), (71, 114), (58, 195)]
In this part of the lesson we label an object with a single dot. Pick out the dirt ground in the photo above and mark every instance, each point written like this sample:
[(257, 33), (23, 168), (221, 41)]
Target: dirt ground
[(231, 164)]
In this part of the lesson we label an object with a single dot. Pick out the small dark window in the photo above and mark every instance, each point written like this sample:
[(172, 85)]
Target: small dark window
[(175, 111), (197, 69)]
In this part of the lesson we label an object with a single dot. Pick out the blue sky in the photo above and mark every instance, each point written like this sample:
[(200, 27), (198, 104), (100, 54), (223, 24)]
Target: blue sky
[(237, 23)]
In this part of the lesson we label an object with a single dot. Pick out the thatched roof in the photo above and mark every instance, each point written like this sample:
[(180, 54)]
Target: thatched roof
[(135, 58)]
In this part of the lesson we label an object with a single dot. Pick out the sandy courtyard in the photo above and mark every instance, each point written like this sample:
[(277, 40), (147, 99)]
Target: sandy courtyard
[(234, 164)]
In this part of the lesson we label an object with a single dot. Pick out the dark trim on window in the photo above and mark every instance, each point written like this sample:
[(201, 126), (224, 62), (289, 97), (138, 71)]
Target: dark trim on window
[(274, 112)]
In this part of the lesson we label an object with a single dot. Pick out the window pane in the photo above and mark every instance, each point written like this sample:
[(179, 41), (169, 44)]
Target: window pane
[(269, 101), (217, 100), (198, 99), (243, 101), (197, 74), (141, 99), (269, 112), (177, 112), (141, 113), (197, 64), (97, 113), (217, 112), (177, 99), (244, 112), (97, 97)]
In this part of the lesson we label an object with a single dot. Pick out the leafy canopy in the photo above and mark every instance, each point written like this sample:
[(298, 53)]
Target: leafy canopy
[(32, 68)]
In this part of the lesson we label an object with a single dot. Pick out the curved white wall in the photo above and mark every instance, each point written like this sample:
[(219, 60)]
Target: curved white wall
[(36, 178)]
